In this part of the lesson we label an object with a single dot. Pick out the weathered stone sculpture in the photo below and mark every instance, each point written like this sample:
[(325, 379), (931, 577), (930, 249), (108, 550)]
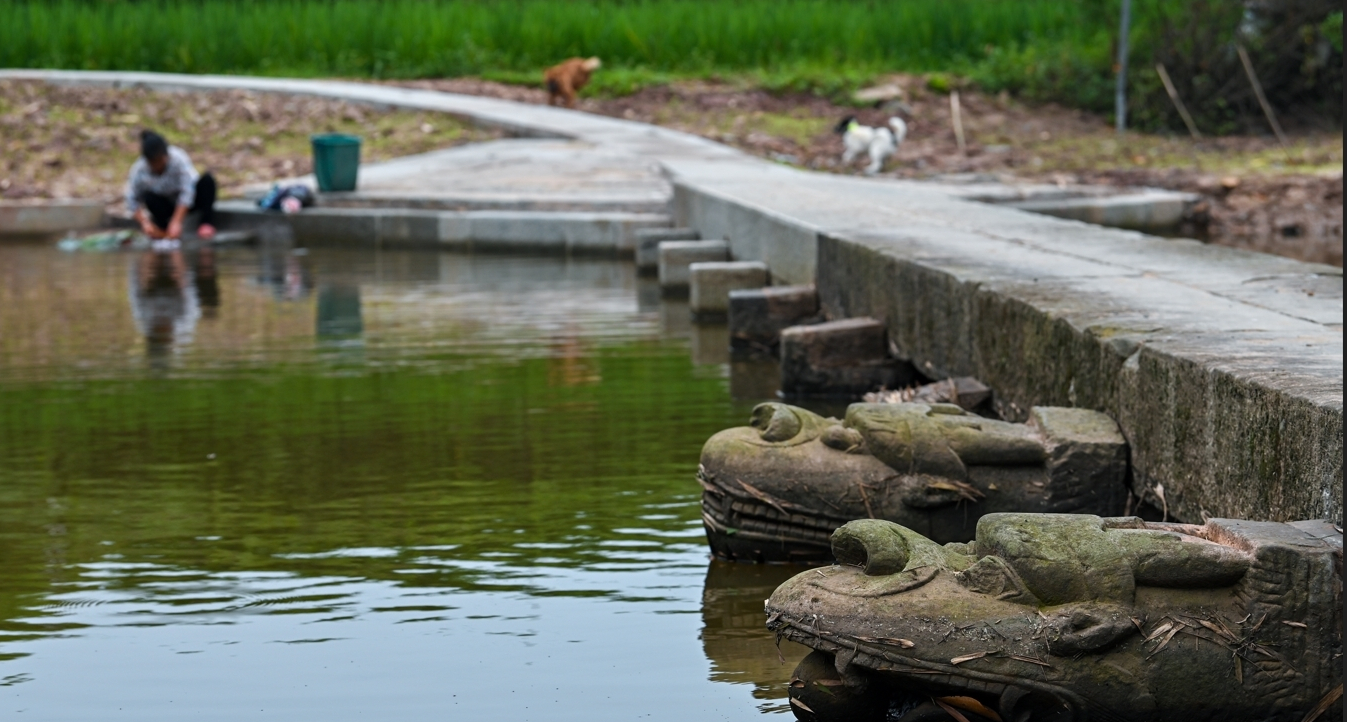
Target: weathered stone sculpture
[(775, 490), (1070, 617)]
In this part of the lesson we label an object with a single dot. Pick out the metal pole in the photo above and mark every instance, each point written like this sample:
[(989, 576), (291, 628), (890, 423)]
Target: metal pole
[(1120, 95)]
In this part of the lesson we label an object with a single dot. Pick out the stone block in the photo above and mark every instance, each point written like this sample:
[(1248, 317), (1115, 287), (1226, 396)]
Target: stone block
[(676, 256), (757, 316), (1086, 450), (710, 285), (840, 359), (647, 246)]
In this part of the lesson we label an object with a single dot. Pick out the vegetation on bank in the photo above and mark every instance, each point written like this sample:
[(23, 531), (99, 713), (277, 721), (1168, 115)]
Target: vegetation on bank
[(423, 38), (1061, 50)]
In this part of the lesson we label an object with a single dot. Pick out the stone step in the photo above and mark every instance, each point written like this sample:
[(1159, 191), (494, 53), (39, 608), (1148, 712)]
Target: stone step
[(840, 359), (647, 246), (710, 284), (676, 257)]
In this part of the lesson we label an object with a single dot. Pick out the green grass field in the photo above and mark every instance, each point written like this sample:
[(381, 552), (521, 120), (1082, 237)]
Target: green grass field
[(805, 41), (1059, 50)]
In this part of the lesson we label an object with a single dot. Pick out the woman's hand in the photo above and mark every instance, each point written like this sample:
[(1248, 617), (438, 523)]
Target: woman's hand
[(174, 228), (149, 229)]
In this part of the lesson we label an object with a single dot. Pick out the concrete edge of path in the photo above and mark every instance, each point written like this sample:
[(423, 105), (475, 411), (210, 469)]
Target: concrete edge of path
[(35, 217), (1223, 367), (570, 232)]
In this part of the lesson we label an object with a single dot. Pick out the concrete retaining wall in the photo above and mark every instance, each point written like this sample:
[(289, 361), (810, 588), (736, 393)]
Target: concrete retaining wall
[(789, 248), (1203, 412)]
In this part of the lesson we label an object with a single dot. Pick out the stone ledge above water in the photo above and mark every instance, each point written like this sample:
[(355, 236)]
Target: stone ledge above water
[(584, 233)]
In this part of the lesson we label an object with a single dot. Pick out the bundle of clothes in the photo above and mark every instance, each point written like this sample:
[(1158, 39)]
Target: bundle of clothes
[(286, 199), (103, 241)]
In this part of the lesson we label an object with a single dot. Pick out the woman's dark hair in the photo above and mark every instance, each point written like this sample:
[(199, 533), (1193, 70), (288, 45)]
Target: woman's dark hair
[(152, 145)]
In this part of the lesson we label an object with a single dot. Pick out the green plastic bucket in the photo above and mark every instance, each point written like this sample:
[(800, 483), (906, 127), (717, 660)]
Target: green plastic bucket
[(336, 161)]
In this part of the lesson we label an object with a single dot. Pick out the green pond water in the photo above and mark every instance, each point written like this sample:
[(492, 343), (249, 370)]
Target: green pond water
[(343, 484)]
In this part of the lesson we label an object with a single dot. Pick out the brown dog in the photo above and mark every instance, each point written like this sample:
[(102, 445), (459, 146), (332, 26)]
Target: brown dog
[(565, 79)]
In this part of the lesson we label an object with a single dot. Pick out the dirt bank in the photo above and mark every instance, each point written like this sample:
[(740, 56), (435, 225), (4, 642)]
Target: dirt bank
[(63, 142)]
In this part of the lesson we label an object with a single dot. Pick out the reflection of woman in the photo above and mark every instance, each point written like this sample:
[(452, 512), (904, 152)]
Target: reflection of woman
[(163, 187), (163, 301), (205, 277)]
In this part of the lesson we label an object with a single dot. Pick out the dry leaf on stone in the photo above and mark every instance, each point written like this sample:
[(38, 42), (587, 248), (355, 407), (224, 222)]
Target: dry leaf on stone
[(966, 491), (1170, 635), (1031, 660), (893, 641), (952, 712), (970, 704)]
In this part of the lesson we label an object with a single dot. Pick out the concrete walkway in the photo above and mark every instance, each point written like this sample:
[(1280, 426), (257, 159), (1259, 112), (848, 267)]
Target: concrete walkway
[(1223, 367), (515, 175)]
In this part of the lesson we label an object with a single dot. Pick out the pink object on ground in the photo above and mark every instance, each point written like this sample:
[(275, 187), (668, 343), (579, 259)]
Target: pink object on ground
[(206, 231)]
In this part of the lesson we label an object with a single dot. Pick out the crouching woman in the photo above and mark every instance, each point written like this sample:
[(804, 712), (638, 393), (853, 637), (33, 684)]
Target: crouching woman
[(163, 188)]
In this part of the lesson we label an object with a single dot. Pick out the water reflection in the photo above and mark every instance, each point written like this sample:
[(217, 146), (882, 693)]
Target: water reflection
[(489, 513), (755, 379), (206, 279), (734, 637), (281, 268), (164, 303), (648, 294), (675, 318), (710, 344), (338, 317)]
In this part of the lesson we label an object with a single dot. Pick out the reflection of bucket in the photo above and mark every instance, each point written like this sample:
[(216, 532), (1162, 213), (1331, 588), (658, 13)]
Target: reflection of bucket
[(339, 312), (336, 161)]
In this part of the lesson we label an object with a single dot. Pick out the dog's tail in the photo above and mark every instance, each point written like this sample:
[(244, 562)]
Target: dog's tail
[(899, 129)]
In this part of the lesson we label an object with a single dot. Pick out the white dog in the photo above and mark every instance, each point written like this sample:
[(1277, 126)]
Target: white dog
[(879, 143)]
